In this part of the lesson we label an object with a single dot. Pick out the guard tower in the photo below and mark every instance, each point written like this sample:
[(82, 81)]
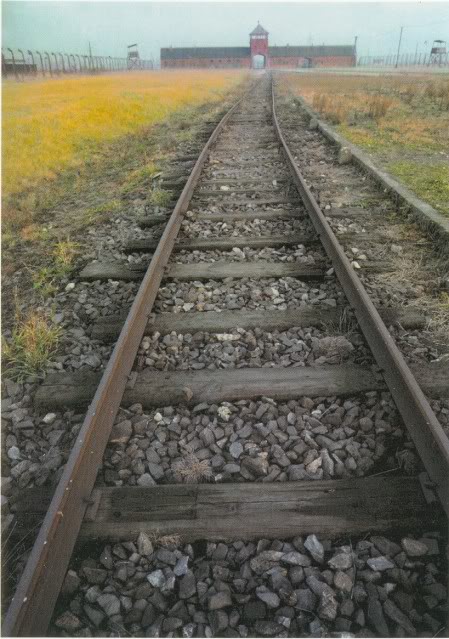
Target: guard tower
[(259, 47), (133, 57), (437, 52)]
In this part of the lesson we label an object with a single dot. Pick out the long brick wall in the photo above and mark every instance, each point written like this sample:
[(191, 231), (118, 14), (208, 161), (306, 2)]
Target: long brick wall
[(324, 61), (204, 63), (335, 61), (245, 63)]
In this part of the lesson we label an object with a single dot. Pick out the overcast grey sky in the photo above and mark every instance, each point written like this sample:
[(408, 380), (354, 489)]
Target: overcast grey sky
[(110, 26)]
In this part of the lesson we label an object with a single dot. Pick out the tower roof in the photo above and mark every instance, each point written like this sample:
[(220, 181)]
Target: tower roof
[(259, 30)]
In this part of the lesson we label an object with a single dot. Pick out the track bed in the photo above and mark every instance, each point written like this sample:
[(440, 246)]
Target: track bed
[(258, 459)]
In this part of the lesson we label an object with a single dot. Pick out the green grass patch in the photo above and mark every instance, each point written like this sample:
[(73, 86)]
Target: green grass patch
[(392, 137), (430, 182), (138, 182), (64, 253), (45, 280), (159, 197), (368, 139), (99, 213)]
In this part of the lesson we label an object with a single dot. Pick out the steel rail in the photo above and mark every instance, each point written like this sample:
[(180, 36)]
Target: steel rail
[(426, 431), (32, 606)]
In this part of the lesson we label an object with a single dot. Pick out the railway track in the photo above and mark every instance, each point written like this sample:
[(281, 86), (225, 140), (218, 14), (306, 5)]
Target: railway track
[(249, 308)]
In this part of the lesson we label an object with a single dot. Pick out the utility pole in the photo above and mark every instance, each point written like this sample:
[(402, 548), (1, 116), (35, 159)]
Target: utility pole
[(355, 50), (399, 48), (90, 56)]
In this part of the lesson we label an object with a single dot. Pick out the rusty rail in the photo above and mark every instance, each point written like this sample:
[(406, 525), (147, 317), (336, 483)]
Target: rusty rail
[(419, 418), (32, 606)]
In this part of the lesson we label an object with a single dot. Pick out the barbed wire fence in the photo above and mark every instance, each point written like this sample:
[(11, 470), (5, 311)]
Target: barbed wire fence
[(405, 60), (23, 63)]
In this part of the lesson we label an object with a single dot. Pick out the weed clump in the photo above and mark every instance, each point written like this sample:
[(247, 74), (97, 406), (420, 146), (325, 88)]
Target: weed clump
[(438, 92), (62, 257), (159, 197), (34, 341), (378, 106), (44, 281), (64, 254), (165, 541), (330, 107), (191, 470), (34, 233)]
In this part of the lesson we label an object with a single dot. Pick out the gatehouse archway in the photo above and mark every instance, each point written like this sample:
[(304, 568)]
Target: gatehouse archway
[(259, 61)]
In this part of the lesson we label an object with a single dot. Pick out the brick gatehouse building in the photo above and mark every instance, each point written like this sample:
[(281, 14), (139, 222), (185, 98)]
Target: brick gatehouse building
[(258, 55)]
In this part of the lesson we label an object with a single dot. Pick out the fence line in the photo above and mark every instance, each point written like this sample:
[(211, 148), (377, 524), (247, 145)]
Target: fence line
[(29, 63), (405, 60)]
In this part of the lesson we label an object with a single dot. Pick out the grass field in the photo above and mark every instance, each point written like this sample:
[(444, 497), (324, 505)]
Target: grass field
[(401, 121), (51, 124)]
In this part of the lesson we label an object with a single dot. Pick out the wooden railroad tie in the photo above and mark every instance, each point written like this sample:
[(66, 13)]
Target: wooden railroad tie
[(219, 193), (246, 510), (155, 388), (269, 179), (274, 214), (270, 214), (203, 271), (226, 243), (263, 241), (279, 199), (109, 327)]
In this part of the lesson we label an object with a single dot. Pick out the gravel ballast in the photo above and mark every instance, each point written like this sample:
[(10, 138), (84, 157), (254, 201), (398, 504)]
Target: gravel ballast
[(305, 586), (305, 439), (298, 254), (191, 228), (241, 348), (246, 293)]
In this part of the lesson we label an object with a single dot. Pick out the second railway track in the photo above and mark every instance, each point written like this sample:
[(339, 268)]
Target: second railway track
[(263, 382)]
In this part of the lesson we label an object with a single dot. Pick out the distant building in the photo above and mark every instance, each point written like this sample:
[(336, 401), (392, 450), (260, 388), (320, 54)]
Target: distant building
[(258, 55)]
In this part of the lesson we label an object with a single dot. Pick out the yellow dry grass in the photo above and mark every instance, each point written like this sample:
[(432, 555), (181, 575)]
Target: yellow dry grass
[(420, 103), (51, 124)]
